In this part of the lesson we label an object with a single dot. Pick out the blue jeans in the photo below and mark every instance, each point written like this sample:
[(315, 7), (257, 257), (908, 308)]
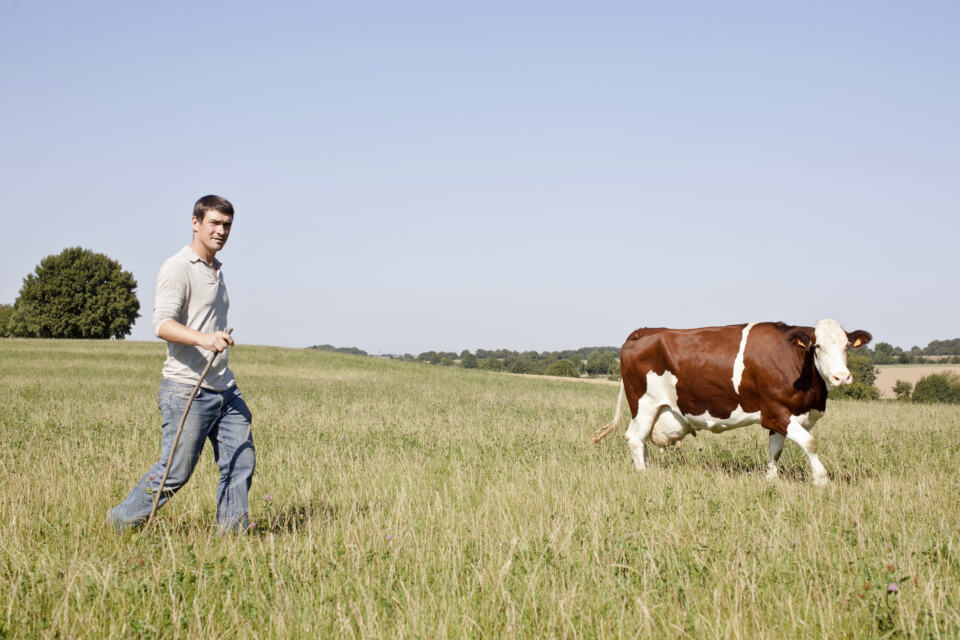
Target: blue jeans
[(224, 419)]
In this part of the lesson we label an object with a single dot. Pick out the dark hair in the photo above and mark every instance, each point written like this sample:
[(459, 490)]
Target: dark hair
[(212, 203)]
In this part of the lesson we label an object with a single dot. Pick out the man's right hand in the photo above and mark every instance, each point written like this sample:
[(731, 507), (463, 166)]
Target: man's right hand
[(216, 342)]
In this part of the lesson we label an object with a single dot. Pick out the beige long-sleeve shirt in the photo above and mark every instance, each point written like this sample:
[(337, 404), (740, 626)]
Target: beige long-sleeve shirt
[(193, 293)]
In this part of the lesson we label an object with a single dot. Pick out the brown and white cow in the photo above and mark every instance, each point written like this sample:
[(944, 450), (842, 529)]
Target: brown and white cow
[(678, 381)]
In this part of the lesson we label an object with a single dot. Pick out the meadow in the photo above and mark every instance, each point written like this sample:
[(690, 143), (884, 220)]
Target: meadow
[(399, 500)]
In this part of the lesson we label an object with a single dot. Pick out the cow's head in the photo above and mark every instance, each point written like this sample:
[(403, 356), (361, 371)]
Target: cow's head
[(829, 343)]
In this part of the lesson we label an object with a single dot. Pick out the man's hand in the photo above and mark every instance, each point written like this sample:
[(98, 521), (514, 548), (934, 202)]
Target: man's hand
[(216, 342), (173, 331)]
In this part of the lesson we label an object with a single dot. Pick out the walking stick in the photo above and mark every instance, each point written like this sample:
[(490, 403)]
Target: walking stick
[(176, 438)]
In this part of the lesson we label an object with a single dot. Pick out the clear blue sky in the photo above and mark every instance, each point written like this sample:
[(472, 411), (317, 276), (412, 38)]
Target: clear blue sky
[(439, 175)]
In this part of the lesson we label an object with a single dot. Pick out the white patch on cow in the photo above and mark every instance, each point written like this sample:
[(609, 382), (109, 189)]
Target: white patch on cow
[(737, 418), (738, 363), (662, 389), (661, 392), (798, 434), (830, 355)]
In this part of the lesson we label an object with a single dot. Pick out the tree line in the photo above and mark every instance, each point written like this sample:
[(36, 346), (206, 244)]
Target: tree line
[(886, 353), (573, 363)]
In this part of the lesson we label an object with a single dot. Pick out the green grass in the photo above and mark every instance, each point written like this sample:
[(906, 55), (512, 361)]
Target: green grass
[(416, 501)]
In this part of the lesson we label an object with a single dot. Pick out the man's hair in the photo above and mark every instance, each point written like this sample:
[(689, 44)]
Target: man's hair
[(212, 203)]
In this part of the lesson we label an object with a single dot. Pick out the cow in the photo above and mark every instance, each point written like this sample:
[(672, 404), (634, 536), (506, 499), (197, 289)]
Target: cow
[(680, 381)]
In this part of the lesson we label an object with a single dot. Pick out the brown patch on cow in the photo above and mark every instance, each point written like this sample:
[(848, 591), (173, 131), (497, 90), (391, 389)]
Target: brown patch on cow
[(779, 379), (706, 355)]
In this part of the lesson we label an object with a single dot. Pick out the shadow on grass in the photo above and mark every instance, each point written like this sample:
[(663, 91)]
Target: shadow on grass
[(733, 463), (294, 517)]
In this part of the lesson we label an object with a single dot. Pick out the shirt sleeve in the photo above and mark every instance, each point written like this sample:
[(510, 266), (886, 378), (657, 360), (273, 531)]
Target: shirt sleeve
[(171, 295)]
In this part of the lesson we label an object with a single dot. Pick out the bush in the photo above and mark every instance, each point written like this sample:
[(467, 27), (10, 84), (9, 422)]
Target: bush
[(563, 368), (903, 389), (938, 387), (76, 294)]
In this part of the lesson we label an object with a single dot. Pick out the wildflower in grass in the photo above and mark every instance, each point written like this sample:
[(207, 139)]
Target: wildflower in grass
[(893, 587), (890, 568), (866, 586), (389, 536), (266, 497), (151, 476)]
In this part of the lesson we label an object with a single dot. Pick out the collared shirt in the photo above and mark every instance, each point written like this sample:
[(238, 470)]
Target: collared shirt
[(193, 293)]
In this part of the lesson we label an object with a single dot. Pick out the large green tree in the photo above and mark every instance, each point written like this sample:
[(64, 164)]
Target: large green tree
[(76, 294)]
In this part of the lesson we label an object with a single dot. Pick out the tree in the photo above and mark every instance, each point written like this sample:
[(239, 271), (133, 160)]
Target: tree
[(492, 364), (430, 357), (884, 353), (6, 312), (468, 360), (614, 371), (599, 364), (519, 365), (902, 388), (938, 387), (76, 294), (563, 368)]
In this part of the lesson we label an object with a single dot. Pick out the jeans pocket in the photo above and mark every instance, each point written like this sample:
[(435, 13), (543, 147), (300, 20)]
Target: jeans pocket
[(182, 393)]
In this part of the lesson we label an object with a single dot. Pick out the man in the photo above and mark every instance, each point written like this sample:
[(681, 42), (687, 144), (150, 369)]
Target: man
[(190, 313)]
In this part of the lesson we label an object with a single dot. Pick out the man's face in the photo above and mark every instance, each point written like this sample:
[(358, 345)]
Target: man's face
[(213, 231)]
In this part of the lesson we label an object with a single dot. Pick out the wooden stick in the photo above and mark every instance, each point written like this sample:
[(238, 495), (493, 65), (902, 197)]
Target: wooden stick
[(176, 438)]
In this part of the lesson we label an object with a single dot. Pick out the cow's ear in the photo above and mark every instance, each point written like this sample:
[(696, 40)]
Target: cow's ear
[(858, 338), (800, 338)]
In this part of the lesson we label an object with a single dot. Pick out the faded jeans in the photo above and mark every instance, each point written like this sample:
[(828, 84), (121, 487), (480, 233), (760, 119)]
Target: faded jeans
[(221, 417)]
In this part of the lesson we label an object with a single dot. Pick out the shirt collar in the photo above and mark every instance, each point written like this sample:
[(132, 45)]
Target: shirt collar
[(188, 253)]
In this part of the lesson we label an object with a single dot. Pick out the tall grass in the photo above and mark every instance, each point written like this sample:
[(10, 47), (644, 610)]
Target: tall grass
[(401, 500)]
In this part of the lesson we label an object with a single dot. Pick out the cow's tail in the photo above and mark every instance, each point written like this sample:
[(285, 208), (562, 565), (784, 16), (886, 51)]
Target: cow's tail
[(606, 430)]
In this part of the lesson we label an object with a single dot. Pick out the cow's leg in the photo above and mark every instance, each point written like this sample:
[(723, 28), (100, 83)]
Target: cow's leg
[(802, 437), (776, 448), (638, 432)]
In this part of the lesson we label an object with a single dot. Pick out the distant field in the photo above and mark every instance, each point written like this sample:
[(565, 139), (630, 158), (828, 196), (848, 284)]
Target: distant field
[(397, 500), (888, 374)]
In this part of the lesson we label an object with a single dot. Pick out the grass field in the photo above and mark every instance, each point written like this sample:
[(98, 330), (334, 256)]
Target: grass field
[(409, 501)]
